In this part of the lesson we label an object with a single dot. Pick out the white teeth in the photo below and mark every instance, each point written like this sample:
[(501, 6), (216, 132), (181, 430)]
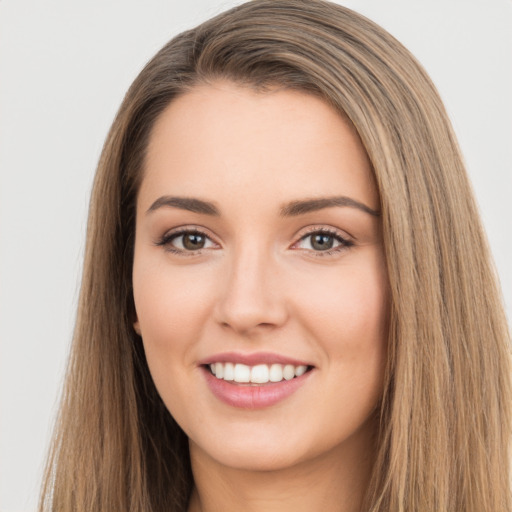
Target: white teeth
[(300, 370), (289, 372), (276, 373), (242, 373), (258, 374), (229, 371)]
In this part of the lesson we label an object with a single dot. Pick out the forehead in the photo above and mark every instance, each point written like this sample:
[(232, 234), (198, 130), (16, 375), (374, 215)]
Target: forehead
[(223, 137)]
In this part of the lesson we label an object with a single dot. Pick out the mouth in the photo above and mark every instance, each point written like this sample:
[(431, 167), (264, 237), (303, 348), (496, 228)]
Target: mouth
[(254, 381), (257, 374)]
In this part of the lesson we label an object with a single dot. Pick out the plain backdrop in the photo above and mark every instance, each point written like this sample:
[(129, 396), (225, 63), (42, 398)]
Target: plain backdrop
[(64, 67)]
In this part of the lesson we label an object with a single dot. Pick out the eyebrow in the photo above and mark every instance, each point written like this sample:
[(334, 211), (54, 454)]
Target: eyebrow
[(301, 207), (292, 209), (185, 203)]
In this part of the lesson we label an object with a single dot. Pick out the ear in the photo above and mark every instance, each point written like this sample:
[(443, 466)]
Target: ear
[(136, 327)]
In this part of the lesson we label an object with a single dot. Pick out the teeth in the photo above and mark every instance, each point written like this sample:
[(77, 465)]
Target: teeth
[(229, 371), (259, 374), (276, 373), (242, 373), (288, 372), (219, 370), (300, 370)]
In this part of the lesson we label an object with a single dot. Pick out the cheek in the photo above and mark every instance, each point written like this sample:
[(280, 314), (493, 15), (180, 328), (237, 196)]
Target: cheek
[(349, 309), (348, 316), (172, 310), (169, 303)]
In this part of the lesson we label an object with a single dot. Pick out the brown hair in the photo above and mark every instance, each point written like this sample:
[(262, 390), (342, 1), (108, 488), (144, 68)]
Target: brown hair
[(445, 413)]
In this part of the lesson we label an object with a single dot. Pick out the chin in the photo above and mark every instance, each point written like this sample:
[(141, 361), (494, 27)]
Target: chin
[(266, 448), (252, 459)]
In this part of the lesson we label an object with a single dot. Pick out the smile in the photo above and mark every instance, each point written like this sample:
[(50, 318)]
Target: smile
[(257, 374), (254, 381)]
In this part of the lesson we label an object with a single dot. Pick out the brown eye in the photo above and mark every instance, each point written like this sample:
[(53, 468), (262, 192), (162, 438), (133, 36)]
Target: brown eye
[(186, 241), (193, 241), (322, 242)]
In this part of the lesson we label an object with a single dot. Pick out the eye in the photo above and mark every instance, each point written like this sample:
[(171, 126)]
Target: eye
[(323, 241), (186, 241)]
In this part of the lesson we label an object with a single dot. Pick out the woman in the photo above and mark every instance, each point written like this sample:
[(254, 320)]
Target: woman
[(287, 297)]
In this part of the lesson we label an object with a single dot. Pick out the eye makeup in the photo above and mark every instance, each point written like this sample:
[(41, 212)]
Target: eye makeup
[(191, 241)]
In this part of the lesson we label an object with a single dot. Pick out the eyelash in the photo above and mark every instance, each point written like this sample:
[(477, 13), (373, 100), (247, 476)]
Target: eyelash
[(344, 244), (166, 240)]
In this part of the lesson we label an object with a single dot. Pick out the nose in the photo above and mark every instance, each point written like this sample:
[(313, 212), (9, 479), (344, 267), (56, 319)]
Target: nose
[(251, 298)]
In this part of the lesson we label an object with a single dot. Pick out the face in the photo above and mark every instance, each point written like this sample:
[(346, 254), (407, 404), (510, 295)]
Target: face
[(259, 278)]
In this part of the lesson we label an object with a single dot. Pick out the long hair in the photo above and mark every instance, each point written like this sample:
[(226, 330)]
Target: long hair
[(445, 412)]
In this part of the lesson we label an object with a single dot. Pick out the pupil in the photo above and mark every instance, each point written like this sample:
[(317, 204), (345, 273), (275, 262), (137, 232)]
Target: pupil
[(322, 242), (193, 241)]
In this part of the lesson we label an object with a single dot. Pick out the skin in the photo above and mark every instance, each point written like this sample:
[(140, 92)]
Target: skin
[(259, 284)]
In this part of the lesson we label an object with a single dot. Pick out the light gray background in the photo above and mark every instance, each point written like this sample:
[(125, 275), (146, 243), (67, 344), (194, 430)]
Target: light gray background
[(64, 67)]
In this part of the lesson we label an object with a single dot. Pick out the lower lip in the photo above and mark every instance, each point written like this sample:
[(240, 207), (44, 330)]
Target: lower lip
[(247, 396)]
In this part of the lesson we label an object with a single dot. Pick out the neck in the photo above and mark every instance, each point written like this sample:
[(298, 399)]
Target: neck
[(332, 482)]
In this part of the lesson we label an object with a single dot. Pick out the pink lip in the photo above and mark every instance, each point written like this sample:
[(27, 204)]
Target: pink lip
[(253, 396), (252, 359)]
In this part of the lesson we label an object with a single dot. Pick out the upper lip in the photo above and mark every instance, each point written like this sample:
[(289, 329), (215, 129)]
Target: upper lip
[(252, 359)]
